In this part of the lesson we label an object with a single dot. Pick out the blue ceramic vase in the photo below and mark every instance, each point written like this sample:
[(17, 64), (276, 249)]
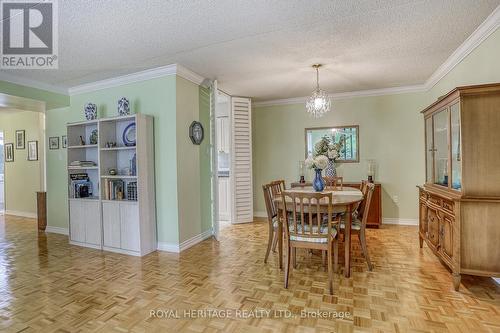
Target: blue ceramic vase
[(318, 182)]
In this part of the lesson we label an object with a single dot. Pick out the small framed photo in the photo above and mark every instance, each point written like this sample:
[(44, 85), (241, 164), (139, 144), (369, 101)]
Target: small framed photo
[(64, 141), (9, 152), (53, 142), (32, 150), (20, 139)]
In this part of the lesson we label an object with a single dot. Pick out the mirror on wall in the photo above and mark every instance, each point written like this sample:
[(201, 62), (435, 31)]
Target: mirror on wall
[(350, 135)]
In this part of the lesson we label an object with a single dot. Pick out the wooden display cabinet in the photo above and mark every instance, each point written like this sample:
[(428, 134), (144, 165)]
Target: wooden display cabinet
[(459, 203)]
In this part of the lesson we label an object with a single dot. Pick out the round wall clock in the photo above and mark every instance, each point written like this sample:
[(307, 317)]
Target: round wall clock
[(196, 132)]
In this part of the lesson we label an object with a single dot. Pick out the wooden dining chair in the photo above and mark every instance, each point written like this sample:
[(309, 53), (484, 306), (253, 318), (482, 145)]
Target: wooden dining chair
[(363, 186), (272, 191), (359, 219), (304, 228), (334, 183)]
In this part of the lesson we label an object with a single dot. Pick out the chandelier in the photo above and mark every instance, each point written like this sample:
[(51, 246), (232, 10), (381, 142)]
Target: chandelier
[(319, 102)]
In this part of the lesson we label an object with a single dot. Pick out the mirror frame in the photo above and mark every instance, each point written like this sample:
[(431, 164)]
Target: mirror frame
[(330, 127)]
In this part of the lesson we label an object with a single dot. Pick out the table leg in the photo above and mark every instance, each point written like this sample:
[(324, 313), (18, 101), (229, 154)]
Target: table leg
[(280, 243), (347, 242)]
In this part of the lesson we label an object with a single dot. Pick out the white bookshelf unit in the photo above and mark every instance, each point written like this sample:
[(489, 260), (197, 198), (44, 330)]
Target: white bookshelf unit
[(119, 214)]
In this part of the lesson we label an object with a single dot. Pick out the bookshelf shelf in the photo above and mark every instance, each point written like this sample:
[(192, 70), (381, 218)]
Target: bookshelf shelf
[(84, 199), (82, 146), (118, 148), (118, 177), (83, 168), (120, 215)]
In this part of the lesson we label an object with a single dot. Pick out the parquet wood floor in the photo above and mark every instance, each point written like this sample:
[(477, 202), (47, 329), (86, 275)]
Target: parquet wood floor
[(46, 285)]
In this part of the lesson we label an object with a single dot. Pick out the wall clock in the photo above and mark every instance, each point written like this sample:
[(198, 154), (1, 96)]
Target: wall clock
[(196, 132)]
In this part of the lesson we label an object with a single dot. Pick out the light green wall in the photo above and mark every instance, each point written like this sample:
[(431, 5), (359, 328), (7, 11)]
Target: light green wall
[(188, 161), (391, 132), (57, 174), (155, 97), (52, 100), (193, 162), (23, 178)]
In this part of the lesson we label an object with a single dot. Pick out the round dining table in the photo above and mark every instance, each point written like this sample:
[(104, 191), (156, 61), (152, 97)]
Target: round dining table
[(344, 200)]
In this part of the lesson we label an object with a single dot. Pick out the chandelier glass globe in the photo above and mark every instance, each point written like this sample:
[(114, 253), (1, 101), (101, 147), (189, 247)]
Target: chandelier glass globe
[(319, 102)]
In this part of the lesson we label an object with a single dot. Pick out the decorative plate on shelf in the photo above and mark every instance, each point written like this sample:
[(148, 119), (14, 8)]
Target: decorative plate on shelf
[(129, 136), (90, 111)]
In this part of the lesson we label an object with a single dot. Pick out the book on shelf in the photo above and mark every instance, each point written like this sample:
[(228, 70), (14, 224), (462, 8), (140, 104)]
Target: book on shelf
[(83, 164), (80, 186), (114, 189)]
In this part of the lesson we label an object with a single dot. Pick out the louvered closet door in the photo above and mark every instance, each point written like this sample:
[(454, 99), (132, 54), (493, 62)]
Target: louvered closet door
[(241, 162)]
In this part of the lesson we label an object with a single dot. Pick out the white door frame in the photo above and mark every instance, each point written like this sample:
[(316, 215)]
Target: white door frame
[(214, 160)]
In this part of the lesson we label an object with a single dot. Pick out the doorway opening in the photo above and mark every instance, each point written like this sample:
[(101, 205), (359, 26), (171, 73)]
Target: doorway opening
[(223, 149)]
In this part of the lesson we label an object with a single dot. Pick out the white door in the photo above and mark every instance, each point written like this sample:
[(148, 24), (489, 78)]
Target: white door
[(111, 224), (214, 158), (241, 161), (92, 219), (77, 221), (129, 227)]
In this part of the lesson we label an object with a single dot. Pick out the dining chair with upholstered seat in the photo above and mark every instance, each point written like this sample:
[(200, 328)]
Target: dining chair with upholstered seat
[(303, 228), (272, 191), (359, 220)]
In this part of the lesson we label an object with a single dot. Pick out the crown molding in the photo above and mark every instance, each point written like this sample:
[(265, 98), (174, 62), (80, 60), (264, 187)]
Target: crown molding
[(347, 95), (189, 75), (489, 26), (32, 83), (148, 74), (485, 29)]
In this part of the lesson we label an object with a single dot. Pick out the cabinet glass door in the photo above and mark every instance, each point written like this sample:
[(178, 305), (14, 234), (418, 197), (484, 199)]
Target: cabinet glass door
[(441, 147), (429, 151), (456, 154)]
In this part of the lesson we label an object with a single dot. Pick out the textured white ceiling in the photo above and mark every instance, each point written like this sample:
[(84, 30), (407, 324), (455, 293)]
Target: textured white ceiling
[(263, 49)]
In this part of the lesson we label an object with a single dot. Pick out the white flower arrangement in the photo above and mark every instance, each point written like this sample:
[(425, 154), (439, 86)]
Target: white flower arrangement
[(319, 162)]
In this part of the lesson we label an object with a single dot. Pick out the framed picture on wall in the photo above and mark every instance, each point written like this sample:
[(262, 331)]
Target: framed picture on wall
[(32, 150), (64, 140), (54, 142), (20, 139), (9, 152)]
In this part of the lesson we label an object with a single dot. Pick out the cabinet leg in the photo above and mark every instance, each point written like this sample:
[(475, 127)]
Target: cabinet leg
[(456, 280), (421, 240)]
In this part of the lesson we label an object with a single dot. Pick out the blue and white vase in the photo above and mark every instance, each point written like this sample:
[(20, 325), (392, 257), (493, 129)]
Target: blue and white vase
[(330, 170), (90, 111), (318, 182), (123, 107)]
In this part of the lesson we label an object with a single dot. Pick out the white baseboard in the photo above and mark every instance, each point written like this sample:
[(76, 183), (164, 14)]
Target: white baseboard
[(195, 240), (168, 247), (259, 214), (398, 221), (57, 230), (177, 248), (21, 214)]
